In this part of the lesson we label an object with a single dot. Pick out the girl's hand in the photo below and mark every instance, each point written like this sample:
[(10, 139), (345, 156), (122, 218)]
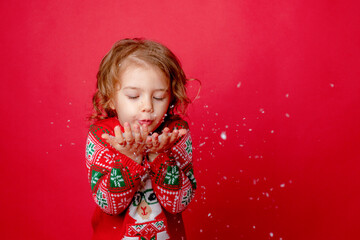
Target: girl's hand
[(155, 146), (132, 144)]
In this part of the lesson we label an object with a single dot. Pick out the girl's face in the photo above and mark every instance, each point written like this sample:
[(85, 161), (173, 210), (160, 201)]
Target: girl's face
[(142, 97)]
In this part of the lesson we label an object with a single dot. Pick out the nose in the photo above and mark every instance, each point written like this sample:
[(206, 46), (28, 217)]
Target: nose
[(147, 105)]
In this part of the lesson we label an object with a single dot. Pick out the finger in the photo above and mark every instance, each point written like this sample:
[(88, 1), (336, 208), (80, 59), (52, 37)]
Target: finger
[(128, 133), (174, 136), (117, 132), (182, 132), (148, 142), (137, 134), (145, 131), (111, 140), (155, 139), (165, 137), (119, 137), (105, 136)]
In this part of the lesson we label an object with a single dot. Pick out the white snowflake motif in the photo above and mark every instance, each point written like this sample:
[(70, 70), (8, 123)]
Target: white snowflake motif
[(187, 197), (172, 175), (117, 178), (102, 202), (90, 149), (191, 177), (165, 201), (123, 202), (188, 147), (95, 177)]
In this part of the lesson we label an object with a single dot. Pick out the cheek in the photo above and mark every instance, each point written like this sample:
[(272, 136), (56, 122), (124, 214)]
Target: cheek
[(164, 106)]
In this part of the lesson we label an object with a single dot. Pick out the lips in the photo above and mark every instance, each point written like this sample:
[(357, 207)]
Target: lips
[(146, 122)]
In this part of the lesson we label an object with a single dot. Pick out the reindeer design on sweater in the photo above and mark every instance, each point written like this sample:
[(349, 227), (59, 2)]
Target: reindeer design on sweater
[(147, 215)]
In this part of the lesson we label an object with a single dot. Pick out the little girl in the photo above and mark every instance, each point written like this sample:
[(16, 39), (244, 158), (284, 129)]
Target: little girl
[(139, 150)]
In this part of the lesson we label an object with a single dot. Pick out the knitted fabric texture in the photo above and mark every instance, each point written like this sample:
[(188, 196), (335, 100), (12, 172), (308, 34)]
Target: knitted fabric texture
[(140, 195)]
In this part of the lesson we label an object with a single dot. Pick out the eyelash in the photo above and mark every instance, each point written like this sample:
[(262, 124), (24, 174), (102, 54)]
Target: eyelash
[(158, 99)]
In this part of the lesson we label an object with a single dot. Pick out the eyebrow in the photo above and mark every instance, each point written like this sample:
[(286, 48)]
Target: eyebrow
[(158, 89)]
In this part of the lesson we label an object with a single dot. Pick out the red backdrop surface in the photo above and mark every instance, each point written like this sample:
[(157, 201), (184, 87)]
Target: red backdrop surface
[(275, 130)]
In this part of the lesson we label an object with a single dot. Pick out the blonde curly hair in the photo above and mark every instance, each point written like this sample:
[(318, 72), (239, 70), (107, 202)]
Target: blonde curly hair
[(138, 51)]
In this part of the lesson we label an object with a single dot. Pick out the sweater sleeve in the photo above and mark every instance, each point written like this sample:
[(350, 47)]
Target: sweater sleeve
[(114, 177), (172, 174)]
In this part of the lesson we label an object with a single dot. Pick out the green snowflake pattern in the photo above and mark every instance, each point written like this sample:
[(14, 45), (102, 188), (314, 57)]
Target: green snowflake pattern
[(90, 149), (190, 175), (102, 202), (95, 176), (172, 175), (116, 178), (187, 198), (188, 146)]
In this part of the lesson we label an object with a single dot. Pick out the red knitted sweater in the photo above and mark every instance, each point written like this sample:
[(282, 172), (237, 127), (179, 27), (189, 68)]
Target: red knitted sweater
[(139, 201)]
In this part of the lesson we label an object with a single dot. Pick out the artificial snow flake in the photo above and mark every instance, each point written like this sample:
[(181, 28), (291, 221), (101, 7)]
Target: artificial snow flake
[(238, 85), (223, 135)]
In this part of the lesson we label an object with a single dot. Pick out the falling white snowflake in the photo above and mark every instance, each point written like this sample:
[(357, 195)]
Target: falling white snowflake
[(223, 135), (238, 85)]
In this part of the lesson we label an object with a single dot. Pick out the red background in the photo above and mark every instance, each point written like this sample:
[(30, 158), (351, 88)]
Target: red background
[(280, 78)]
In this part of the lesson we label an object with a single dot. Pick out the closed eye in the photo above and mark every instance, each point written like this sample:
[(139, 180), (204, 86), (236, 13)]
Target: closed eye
[(159, 99), (132, 97)]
